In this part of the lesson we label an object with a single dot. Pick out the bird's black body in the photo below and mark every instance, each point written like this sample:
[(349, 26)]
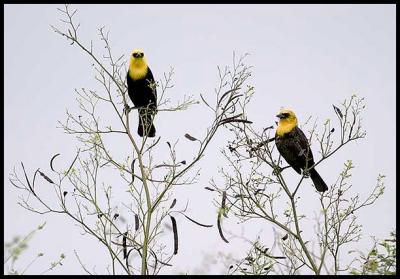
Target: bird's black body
[(144, 96), (294, 148)]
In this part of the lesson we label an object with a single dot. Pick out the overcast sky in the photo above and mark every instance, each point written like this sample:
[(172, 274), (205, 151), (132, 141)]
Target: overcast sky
[(305, 57)]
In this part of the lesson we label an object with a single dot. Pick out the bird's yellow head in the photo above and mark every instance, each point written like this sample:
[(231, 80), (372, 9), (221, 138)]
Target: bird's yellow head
[(138, 66), (287, 121)]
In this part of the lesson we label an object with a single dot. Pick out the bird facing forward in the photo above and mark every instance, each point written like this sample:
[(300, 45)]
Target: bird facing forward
[(293, 145), (142, 92)]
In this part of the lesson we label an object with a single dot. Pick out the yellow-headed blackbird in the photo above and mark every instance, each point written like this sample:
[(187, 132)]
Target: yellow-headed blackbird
[(293, 145), (142, 91)]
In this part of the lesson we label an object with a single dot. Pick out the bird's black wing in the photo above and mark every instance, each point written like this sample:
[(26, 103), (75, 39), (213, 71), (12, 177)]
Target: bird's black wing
[(303, 143), (294, 148), (289, 149)]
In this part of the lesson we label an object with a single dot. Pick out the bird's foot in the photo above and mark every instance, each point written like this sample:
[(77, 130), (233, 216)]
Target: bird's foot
[(127, 109), (306, 173), (278, 170)]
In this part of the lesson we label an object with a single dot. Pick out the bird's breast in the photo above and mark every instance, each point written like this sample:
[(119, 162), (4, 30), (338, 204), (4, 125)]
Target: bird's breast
[(137, 71)]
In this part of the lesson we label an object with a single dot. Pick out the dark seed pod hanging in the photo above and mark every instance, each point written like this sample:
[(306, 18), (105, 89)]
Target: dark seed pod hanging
[(223, 202), (223, 199), (136, 222), (173, 204), (124, 245), (220, 229), (133, 170), (175, 230)]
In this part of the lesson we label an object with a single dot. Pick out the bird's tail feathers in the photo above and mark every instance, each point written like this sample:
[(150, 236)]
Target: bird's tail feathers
[(146, 129), (319, 183)]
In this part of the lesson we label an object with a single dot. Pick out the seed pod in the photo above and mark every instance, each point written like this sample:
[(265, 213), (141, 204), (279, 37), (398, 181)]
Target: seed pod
[(173, 204), (223, 203), (270, 127), (175, 230), (338, 112), (46, 177), (209, 189), (197, 223), (189, 137), (225, 94), (136, 222), (127, 255), (124, 245), (51, 161), (220, 229), (223, 199), (157, 260), (133, 170), (225, 121)]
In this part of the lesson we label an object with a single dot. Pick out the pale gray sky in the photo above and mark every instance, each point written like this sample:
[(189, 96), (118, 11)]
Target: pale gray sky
[(305, 57)]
